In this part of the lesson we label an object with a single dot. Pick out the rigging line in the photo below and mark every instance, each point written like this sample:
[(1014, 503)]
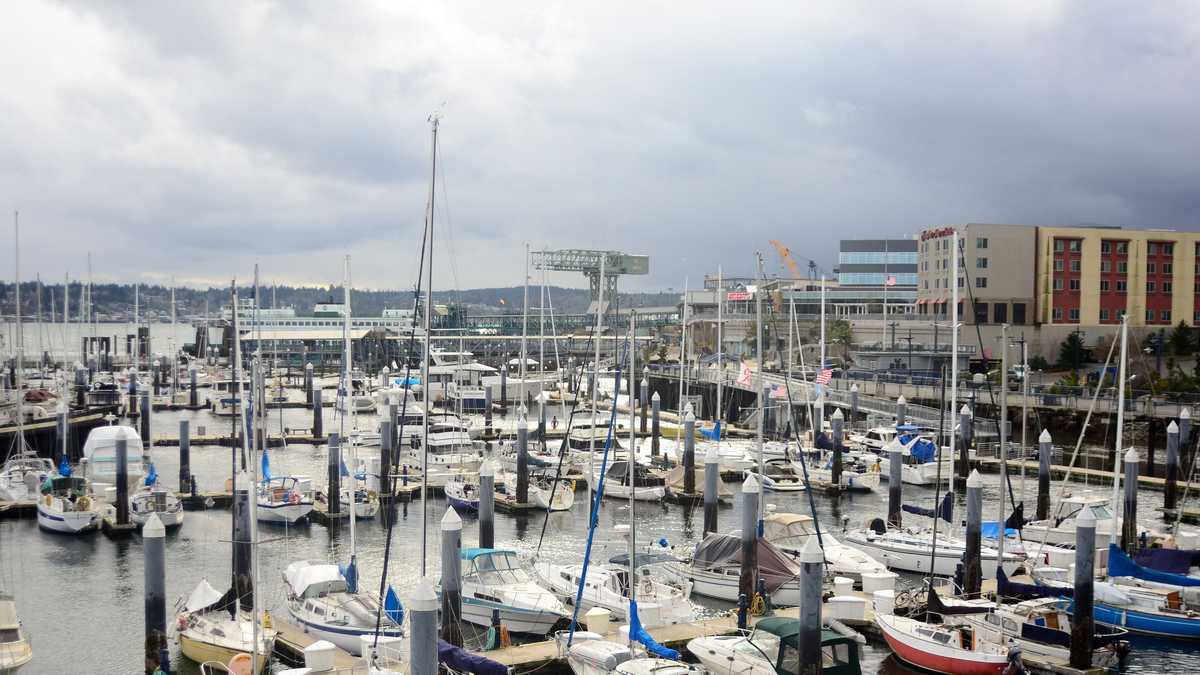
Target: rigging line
[(812, 503), (457, 291), (937, 483)]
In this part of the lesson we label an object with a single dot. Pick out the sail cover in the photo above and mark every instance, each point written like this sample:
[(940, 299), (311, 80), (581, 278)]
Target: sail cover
[(719, 550), (945, 511), (460, 660), (1119, 565), (203, 596), (1175, 561)]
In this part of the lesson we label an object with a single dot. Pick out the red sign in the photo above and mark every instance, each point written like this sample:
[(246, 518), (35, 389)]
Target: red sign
[(934, 234), (737, 296)]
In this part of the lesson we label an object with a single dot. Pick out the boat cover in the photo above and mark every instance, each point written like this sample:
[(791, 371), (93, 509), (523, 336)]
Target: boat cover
[(713, 434), (945, 512), (675, 478), (203, 596), (460, 660), (642, 477), (718, 550), (308, 579), (921, 449), (1119, 565), (935, 605), (1012, 589), (1175, 561), (637, 632)]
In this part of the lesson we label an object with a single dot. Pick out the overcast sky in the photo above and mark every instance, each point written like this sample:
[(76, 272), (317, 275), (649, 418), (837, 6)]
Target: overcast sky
[(196, 138)]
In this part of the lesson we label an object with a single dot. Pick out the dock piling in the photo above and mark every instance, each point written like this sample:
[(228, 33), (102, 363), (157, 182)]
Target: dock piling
[(1083, 622), (853, 403), (541, 430), (644, 395), (1169, 497), (487, 504), (895, 471), (154, 540), (122, 505), (523, 461), (451, 578), (655, 429), (1045, 447), (333, 496), (901, 409), (185, 455), (812, 574), (1129, 528), (487, 410), (318, 423), (62, 428), (836, 423), (712, 474), (748, 583), (965, 433), (423, 642), (144, 418), (972, 565), (308, 383), (386, 439), (193, 388), (689, 454), (504, 386)]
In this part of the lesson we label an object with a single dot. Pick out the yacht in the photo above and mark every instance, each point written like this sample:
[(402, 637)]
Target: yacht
[(493, 580), (154, 499), (909, 550), (320, 599), (875, 438), (607, 586), (715, 570), (919, 456), (1060, 527), (99, 463)]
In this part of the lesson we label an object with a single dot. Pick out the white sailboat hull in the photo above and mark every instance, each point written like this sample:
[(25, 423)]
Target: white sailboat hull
[(66, 522)]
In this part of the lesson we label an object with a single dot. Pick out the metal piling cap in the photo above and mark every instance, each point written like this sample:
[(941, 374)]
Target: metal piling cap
[(1172, 428), (451, 521), (811, 553), (487, 469), (974, 481), (837, 415), (1044, 437), (854, 388), (901, 401), (1185, 414), (965, 410), (1131, 456), (750, 485), (688, 408), (153, 529), (1086, 518), (655, 397), (688, 417), (423, 598), (712, 456)]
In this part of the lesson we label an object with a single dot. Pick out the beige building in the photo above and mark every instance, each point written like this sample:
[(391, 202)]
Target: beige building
[(996, 278)]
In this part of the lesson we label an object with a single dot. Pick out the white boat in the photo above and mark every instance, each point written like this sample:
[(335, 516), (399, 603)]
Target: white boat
[(955, 650), (22, 476), (659, 603), (652, 666), (67, 506), (875, 438), (789, 532), (644, 485), (15, 648), (1060, 527), (208, 632), (920, 463), (366, 502), (493, 580), (909, 551), (320, 600), (715, 570), (99, 463), (154, 499), (548, 496), (285, 499), (779, 477), (590, 654)]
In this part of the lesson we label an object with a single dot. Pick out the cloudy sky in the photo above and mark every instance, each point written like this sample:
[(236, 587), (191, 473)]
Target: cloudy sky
[(195, 139)]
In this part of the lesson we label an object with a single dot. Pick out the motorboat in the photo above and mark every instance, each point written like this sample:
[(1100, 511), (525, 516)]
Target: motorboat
[(954, 650), (99, 463), (1060, 527), (494, 580), (322, 601), (155, 500), (789, 532), (366, 502), (875, 438), (919, 456), (773, 648), (212, 627), (462, 494), (15, 647), (715, 570), (643, 485), (857, 476), (285, 499), (66, 505), (778, 476), (22, 476), (607, 586)]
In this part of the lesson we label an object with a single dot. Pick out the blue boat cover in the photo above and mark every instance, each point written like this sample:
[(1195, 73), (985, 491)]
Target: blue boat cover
[(152, 477), (922, 449), (393, 607), (1175, 561), (350, 574), (460, 660), (266, 468), (945, 512), (64, 469), (637, 632), (990, 528), (713, 434), (1119, 565), (1010, 589)]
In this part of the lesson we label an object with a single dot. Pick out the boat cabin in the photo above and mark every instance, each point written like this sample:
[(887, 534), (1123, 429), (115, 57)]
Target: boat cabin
[(492, 566), (778, 639)]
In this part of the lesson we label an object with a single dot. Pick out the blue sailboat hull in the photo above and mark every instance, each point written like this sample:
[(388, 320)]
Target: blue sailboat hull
[(1148, 623)]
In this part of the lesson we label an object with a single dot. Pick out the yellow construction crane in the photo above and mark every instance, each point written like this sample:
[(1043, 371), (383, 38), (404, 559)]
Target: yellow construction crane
[(786, 254)]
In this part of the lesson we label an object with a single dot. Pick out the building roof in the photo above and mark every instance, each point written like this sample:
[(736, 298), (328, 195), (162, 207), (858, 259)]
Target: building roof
[(306, 334)]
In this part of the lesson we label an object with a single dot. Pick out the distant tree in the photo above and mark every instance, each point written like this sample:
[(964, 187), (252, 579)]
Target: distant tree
[(1071, 353), (1182, 342), (1038, 362)]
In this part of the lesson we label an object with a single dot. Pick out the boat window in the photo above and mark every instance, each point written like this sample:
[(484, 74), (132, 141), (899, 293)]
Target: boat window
[(1010, 625), (1102, 512), (834, 655), (318, 610), (759, 644), (9, 635), (993, 619)]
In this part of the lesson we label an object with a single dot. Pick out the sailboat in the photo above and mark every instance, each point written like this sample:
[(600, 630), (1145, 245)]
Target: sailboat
[(15, 648)]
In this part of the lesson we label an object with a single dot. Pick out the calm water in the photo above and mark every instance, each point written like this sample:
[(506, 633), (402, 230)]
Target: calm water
[(88, 590)]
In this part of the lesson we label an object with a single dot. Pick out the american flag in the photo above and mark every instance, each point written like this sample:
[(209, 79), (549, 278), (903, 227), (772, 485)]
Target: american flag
[(824, 376), (890, 281)]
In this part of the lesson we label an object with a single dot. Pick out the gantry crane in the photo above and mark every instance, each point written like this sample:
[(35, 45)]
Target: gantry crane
[(589, 262)]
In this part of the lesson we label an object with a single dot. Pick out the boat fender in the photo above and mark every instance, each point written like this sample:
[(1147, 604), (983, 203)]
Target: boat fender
[(182, 623), (505, 640), (266, 622), (49, 500)]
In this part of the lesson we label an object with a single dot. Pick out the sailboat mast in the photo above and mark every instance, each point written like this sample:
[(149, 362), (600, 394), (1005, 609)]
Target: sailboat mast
[(20, 335), (542, 335), (762, 404), (954, 347), (40, 329), (596, 387), (425, 385), (1003, 449), (137, 335), (347, 374), (524, 323), (1120, 442), (683, 319), (174, 353), (631, 473), (720, 351)]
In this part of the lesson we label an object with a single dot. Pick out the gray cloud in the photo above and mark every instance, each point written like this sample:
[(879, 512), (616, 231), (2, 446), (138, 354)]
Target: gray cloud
[(195, 140)]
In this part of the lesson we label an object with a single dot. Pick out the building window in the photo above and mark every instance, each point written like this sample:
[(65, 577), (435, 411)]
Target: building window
[(1196, 314), (960, 283), (981, 263), (1104, 315), (1122, 285), (1105, 247), (1165, 315), (1057, 314), (1168, 268), (1152, 249), (1122, 267), (1074, 285), (1073, 315), (981, 242), (1058, 286), (926, 284), (1105, 266), (1073, 246), (1058, 265), (1150, 268), (1122, 247), (1019, 313), (1149, 286), (981, 312), (1000, 312), (1074, 265), (1168, 249), (980, 282), (1059, 245), (1104, 285), (1168, 287), (1150, 315)]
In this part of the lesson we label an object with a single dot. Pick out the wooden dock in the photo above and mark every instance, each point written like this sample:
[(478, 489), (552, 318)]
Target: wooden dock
[(1057, 471)]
